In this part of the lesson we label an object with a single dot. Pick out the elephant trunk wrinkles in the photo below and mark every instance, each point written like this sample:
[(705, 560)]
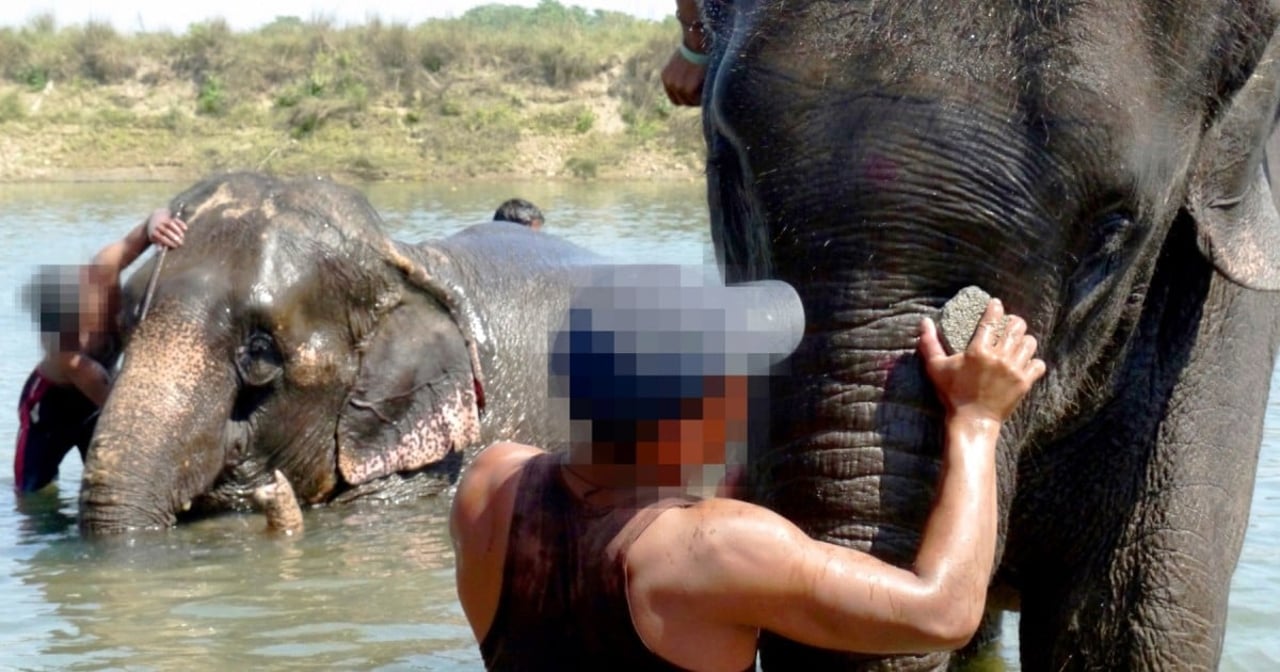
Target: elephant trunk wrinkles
[(856, 465), (158, 442)]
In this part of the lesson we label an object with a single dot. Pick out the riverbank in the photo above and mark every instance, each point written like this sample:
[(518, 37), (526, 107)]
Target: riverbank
[(500, 93)]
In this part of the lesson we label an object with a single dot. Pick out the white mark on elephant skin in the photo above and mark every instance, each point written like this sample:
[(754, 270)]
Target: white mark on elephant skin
[(218, 198), (313, 362)]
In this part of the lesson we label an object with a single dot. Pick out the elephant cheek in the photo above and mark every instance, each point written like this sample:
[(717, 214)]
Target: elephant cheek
[(453, 424)]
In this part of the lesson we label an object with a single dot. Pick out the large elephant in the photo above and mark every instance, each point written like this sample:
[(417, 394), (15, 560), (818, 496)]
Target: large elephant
[(289, 332), (1099, 167)]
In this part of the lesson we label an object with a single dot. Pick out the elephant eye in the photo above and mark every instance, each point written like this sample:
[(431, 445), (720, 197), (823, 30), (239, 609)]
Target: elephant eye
[(1113, 232), (258, 360)]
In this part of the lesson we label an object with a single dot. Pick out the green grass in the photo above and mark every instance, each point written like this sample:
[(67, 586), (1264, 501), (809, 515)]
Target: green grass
[(458, 92)]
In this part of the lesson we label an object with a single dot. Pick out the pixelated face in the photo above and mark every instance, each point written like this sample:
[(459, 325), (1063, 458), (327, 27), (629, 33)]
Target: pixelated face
[(62, 310), (673, 451)]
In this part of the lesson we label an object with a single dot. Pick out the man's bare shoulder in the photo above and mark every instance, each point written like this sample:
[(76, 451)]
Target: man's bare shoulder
[(720, 562), (503, 456), (728, 538), (480, 483), (479, 524), (739, 522)]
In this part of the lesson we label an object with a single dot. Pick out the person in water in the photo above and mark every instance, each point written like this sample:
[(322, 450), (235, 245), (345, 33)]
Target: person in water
[(519, 211), (76, 309), (584, 560)]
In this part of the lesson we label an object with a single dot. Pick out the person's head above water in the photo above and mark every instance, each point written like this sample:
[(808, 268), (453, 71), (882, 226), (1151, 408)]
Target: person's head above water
[(519, 211), (654, 363), (53, 299)]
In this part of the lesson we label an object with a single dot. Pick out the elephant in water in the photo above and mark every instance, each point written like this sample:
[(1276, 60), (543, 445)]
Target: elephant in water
[(1099, 166), (290, 333)]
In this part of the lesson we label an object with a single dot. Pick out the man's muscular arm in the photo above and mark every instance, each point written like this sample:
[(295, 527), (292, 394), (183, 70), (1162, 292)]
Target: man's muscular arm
[(99, 283), (478, 524), (750, 567)]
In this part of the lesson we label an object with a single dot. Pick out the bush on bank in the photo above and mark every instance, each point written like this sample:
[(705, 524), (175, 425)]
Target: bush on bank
[(488, 93)]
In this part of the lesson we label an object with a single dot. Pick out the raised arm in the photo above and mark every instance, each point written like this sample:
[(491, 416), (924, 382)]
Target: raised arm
[(769, 574), (98, 284), (160, 228)]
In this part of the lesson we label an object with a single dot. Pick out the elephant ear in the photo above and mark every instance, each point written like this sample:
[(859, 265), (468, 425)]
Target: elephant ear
[(1229, 195), (419, 394)]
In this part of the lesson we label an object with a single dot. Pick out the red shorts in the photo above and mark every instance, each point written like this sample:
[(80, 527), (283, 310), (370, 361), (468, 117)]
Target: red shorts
[(52, 419)]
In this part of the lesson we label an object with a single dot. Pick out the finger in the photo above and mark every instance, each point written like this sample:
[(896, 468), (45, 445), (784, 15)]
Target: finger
[(1035, 370), (984, 336), (669, 86), (930, 347), (1026, 350), (1014, 329)]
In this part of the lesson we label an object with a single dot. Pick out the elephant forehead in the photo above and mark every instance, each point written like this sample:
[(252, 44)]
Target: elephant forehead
[(225, 201), (275, 273)]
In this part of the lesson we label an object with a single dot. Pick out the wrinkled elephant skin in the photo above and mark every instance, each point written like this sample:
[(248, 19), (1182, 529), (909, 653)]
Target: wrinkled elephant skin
[(1099, 167), (290, 333)]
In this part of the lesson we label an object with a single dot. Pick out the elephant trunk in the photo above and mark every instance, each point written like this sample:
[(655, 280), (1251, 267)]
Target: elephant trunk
[(159, 439), (857, 464), (860, 466)]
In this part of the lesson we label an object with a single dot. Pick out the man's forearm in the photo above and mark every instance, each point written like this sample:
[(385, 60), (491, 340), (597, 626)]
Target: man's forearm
[(90, 377), (958, 546), (691, 29), (117, 256)]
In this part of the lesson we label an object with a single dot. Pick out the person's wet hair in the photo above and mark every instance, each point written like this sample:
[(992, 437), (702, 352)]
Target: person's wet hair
[(519, 211)]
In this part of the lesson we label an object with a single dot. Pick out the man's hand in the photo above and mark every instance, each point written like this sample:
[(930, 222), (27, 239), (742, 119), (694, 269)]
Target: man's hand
[(988, 379), (687, 68), (683, 80), (165, 229)]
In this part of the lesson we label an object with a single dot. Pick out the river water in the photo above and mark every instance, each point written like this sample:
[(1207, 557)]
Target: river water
[(367, 587)]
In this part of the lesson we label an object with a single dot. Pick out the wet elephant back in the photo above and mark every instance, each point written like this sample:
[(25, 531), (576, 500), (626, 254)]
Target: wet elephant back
[(516, 283)]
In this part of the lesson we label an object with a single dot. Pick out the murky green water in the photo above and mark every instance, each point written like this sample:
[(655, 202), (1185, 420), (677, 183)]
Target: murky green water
[(367, 587)]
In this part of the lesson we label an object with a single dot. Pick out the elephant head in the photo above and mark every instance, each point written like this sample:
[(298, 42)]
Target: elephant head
[(287, 333), (1098, 167)]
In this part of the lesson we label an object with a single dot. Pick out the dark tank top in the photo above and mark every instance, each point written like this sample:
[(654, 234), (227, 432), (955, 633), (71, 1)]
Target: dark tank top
[(564, 588)]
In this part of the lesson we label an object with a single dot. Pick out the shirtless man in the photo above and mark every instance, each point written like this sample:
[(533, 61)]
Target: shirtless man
[(77, 310), (584, 561)]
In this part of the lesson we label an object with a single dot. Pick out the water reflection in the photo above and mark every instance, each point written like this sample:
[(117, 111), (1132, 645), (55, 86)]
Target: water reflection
[(367, 586)]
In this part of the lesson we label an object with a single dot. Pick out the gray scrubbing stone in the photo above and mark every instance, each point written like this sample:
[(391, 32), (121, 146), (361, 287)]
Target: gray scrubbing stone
[(959, 318)]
